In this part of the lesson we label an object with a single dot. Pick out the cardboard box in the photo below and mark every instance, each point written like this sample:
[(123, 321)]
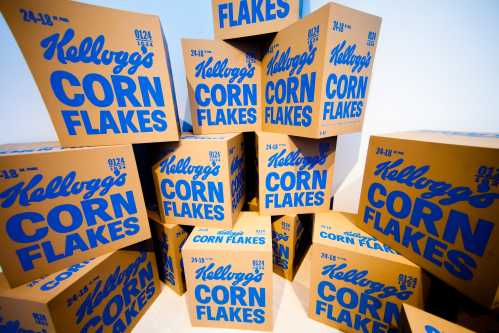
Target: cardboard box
[(358, 284), (59, 206), (295, 175), (317, 73), (241, 18), (104, 74), (432, 196), (106, 294), (291, 238), (415, 320), (229, 274), (168, 242), (224, 85), (200, 180)]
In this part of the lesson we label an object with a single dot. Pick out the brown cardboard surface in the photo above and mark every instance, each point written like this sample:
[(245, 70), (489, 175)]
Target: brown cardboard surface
[(199, 180), (169, 239), (317, 71), (241, 18), (295, 175), (418, 321), (351, 288), (224, 85), (59, 207), (110, 293), (436, 203), (107, 82), (230, 271)]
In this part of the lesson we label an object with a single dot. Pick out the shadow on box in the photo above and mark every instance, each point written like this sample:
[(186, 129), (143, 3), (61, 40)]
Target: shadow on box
[(448, 303)]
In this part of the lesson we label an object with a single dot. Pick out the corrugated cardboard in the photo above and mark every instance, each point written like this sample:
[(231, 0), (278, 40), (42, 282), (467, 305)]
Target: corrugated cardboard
[(295, 174), (242, 18), (59, 206), (104, 74), (358, 284), (106, 294), (224, 85), (432, 196), (229, 274), (317, 73), (415, 320), (200, 180), (168, 242), (290, 241)]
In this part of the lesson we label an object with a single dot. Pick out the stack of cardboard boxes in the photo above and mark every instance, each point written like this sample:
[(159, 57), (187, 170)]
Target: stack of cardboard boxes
[(71, 210), (271, 92)]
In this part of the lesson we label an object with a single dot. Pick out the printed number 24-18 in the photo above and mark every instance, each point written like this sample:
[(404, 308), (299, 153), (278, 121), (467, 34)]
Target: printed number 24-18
[(29, 16)]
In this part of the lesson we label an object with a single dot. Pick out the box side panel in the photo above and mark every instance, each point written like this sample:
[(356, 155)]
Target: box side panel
[(112, 297), (68, 206), (254, 289), (192, 183), (224, 86), (295, 174), (383, 284), (292, 70), (352, 38), (18, 315), (94, 101), (436, 205)]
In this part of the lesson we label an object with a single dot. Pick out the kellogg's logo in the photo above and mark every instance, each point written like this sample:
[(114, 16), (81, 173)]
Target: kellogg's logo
[(225, 273), (283, 62), (93, 51), (295, 158), (103, 290), (220, 69), (417, 177), (341, 55), (59, 186), (183, 166), (360, 278)]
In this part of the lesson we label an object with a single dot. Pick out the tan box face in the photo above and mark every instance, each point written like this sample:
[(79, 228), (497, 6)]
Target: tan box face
[(358, 284), (295, 174), (229, 274), (242, 18), (224, 85), (199, 181), (316, 73), (415, 320), (60, 206), (106, 294), (432, 196), (106, 82), (168, 242), (289, 243)]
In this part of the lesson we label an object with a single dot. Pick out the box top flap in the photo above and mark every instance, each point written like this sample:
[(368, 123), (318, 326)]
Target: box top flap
[(338, 230), (252, 232), (474, 139), (208, 137), (39, 148)]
